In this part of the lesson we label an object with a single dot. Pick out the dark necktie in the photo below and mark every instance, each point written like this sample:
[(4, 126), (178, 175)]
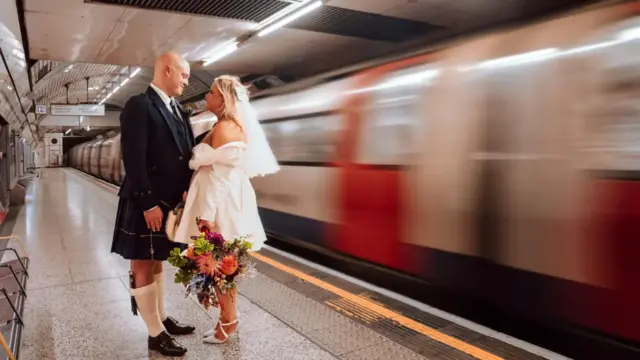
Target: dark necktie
[(176, 113)]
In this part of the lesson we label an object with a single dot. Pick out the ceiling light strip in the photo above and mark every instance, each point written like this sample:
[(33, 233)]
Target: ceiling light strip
[(133, 74), (282, 13), (290, 18), (273, 23), (221, 52)]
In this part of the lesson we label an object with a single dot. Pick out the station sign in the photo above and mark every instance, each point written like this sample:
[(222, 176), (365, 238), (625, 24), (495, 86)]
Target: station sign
[(78, 110), (41, 109)]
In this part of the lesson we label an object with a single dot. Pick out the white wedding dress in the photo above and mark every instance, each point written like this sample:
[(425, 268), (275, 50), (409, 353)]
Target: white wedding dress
[(221, 192)]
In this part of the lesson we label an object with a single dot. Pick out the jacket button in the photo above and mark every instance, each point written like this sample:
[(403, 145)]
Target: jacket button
[(180, 158), (149, 191)]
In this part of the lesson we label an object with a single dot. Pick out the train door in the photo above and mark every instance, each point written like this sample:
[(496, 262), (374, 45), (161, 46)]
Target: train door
[(384, 116), (611, 152), (444, 181)]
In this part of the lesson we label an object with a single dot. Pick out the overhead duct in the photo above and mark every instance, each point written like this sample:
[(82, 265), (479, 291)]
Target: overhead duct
[(327, 19)]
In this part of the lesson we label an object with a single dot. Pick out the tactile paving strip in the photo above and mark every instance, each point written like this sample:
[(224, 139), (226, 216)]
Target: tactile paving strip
[(295, 309), (385, 351), (352, 347), (503, 349)]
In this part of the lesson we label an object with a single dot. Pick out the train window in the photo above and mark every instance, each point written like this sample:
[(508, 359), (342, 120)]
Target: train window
[(393, 121), (611, 142), (311, 139)]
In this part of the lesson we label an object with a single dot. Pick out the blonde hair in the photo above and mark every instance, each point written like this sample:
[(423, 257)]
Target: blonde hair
[(229, 86)]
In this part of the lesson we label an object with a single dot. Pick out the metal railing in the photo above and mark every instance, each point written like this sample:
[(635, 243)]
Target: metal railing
[(15, 307)]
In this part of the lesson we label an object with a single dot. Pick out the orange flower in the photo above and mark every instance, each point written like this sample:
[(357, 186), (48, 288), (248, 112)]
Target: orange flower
[(229, 265), (191, 254), (206, 264)]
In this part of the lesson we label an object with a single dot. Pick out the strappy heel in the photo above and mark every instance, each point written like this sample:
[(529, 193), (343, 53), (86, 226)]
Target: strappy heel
[(210, 336)]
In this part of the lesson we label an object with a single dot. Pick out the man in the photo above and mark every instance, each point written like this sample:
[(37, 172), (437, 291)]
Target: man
[(156, 142)]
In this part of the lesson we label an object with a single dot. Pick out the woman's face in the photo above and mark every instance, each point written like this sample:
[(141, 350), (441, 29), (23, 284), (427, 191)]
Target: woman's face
[(214, 99)]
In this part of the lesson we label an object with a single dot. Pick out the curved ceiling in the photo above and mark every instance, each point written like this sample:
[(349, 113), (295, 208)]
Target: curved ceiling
[(14, 76), (105, 39)]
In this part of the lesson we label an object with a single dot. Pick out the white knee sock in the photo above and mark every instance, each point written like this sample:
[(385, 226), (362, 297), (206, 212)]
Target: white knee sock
[(146, 299), (160, 285)]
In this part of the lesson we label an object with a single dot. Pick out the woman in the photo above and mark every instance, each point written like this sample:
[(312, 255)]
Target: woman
[(220, 194)]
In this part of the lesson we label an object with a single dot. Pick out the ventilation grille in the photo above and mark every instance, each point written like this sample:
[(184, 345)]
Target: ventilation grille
[(247, 10), (340, 21), (327, 19)]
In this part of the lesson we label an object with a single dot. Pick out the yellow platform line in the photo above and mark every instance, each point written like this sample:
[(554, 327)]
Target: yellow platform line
[(389, 314)]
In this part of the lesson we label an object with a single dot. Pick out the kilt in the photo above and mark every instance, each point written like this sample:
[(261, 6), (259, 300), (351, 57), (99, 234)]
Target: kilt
[(133, 240)]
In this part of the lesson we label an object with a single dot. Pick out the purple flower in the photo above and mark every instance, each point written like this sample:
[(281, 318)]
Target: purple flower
[(214, 239)]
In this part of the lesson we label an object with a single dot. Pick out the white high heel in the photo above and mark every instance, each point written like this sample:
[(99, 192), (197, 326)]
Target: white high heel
[(210, 336)]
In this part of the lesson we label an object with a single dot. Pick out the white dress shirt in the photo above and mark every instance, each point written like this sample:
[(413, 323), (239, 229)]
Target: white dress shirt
[(166, 100)]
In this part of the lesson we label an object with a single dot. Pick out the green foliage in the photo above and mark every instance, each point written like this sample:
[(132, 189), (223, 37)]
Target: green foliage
[(183, 277), (246, 246), (176, 259), (202, 246)]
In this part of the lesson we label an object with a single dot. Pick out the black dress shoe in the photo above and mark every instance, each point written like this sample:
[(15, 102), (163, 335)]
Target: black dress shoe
[(165, 345), (175, 328)]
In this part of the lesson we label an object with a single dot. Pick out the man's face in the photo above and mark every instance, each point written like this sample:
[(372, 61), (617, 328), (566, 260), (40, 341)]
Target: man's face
[(177, 78)]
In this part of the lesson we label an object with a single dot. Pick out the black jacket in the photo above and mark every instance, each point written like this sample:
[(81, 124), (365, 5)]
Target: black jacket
[(156, 166)]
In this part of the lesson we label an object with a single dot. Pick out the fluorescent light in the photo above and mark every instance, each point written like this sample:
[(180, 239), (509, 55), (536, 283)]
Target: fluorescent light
[(221, 52), (135, 72), (513, 60), (290, 18), (629, 34), (18, 53), (282, 13)]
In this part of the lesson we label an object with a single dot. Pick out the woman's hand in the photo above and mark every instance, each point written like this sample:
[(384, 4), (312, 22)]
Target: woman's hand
[(205, 224)]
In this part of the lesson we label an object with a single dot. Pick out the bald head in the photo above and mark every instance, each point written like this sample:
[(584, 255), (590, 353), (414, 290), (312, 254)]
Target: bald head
[(171, 73)]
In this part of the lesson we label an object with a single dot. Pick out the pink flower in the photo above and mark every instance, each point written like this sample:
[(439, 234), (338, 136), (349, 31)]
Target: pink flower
[(206, 264)]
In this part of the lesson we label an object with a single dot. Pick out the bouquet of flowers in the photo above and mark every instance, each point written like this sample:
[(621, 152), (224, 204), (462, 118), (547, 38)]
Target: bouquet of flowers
[(210, 263)]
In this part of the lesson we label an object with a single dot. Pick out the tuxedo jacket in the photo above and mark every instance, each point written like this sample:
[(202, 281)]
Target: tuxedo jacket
[(155, 152)]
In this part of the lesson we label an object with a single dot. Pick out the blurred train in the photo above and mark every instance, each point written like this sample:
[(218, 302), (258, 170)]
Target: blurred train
[(504, 168)]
